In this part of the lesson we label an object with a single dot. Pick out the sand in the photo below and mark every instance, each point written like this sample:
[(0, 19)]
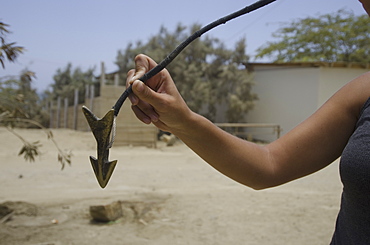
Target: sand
[(169, 196)]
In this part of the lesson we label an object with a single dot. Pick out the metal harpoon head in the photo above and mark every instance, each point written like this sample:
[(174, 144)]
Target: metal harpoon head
[(101, 128)]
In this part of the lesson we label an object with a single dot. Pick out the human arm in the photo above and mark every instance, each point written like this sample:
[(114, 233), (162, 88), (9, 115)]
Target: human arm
[(310, 146)]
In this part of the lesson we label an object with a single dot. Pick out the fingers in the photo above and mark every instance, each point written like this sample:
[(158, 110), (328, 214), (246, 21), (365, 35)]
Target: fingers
[(129, 80), (141, 100), (157, 100), (142, 108), (142, 91), (142, 112), (141, 115), (143, 64)]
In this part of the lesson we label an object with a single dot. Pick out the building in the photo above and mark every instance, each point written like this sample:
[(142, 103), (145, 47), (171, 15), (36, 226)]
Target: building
[(291, 92), (129, 130), (288, 94)]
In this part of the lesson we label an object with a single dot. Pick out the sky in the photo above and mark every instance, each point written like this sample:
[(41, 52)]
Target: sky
[(88, 32)]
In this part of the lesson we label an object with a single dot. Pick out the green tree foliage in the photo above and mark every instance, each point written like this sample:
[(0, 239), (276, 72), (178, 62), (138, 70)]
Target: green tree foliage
[(7, 50), (19, 99), (67, 80), (333, 37), (20, 104), (20, 107), (208, 75)]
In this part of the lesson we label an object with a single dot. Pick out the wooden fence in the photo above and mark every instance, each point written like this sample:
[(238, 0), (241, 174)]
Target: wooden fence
[(130, 131), (250, 131)]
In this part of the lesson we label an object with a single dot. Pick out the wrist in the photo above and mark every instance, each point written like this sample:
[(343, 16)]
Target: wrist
[(189, 125)]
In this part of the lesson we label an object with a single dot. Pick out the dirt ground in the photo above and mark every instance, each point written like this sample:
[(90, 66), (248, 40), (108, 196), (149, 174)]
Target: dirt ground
[(169, 196)]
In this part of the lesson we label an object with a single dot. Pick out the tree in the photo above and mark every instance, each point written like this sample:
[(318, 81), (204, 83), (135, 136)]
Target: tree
[(19, 103), (20, 107), (7, 50), (333, 37), (19, 99), (208, 75), (68, 79)]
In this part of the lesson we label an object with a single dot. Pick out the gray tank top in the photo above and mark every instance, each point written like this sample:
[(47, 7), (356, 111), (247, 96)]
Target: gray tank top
[(353, 222)]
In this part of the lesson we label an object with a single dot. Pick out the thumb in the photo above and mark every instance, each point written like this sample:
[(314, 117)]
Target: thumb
[(143, 92)]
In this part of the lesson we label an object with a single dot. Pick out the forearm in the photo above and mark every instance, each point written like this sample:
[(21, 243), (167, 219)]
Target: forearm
[(243, 161), (309, 147)]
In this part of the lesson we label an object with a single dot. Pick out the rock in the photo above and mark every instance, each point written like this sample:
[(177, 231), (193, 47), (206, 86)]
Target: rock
[(4, 211), (9, 209), (106, 213), (20, 208), (169, 139)]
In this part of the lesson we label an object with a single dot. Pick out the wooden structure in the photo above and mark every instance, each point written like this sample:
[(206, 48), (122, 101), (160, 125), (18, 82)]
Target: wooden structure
[(288, 94), (129, 130), (250, 131)]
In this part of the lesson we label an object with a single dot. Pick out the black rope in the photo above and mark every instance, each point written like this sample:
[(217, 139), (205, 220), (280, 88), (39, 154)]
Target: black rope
[(185, 43)]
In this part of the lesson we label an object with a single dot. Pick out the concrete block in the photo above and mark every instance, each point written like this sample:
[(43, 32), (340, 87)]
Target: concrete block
[(106, 213)]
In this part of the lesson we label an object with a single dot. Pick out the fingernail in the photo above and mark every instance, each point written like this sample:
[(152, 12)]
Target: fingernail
[(154, 118), (147, 120)]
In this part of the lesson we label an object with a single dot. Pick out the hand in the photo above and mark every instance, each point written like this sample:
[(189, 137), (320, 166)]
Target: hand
[(159, 101)]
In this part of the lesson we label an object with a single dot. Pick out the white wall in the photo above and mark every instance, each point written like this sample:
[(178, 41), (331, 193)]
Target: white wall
[(332, 79), (288, 95)]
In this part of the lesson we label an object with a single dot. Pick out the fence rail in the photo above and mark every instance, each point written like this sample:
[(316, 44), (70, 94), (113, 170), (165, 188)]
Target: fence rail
[(239, 129)]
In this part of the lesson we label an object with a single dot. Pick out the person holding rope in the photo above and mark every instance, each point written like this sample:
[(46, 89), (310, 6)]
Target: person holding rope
[(339, 128)]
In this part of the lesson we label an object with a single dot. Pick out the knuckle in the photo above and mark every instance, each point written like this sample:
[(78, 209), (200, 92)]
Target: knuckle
[(139, 56), (130, 75), (131, 72), (146, 93)]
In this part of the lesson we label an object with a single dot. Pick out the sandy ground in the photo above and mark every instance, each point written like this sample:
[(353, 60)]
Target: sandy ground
[(169, 196)]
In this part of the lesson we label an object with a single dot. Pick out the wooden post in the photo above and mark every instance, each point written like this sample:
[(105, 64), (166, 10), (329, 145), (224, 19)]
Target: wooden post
[(46, 106), (116, 79), (51, 115), (87, 90), (102, 75), (278, 130), (92, 96), (86, 93), (58, 111), (65, 112), (75, 105)]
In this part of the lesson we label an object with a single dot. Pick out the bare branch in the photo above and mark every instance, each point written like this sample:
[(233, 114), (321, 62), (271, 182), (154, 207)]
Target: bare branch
[(31, 149)]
